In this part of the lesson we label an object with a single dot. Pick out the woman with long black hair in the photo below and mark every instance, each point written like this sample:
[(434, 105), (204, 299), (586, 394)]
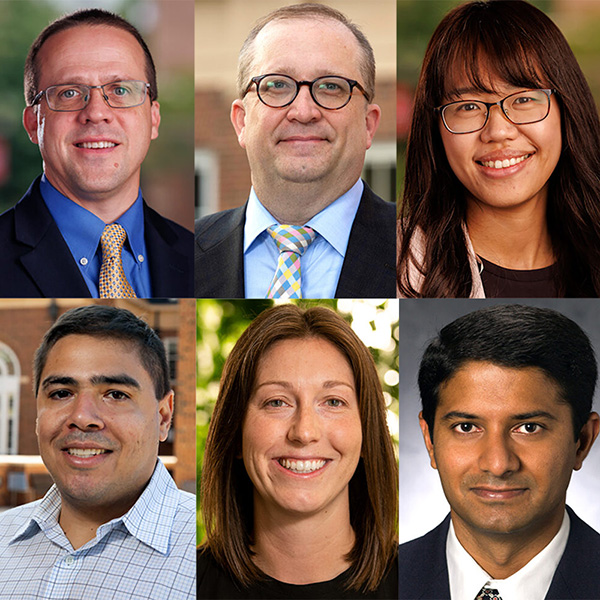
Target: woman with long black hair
[(502, 187)]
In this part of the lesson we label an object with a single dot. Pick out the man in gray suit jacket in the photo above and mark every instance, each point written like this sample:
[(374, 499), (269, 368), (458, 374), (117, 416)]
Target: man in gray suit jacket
[(305, 117), (507, 397)]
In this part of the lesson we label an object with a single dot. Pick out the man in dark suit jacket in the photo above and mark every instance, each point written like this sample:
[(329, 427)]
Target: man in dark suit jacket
[(90, 86), (507, 394), (305, 118)]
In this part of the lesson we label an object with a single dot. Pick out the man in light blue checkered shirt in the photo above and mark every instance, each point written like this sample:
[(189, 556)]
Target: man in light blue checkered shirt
[(114, 526)]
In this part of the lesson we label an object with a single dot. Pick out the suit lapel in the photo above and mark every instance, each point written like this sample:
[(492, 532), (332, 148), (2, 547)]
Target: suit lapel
[(369, 269), (170, 270), (219, 260), (49, 263)]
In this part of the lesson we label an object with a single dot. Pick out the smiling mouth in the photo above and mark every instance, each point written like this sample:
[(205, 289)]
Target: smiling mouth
[(86, 452), (503, 164), (96, 145), (301, 466)]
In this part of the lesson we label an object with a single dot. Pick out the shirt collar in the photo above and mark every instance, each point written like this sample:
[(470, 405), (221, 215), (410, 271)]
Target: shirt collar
[(149, 520), (81, 229), (531, 582), (333, 222)]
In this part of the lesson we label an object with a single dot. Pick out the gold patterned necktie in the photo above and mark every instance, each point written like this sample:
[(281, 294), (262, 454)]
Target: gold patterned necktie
[(113, 283), (292, 242)]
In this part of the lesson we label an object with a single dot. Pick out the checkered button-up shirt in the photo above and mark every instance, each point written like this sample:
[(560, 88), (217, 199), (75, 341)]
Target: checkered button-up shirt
[(147, 554)]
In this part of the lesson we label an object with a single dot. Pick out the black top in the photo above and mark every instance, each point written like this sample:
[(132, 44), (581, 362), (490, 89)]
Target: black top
[(499, 282), (215, 584)]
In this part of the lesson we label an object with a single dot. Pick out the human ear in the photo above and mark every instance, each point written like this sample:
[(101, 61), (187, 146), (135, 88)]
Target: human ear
[(165, 415), (30, 123), (587, 437), (427, 439), (155, 116), (238, 120), (373, 117)]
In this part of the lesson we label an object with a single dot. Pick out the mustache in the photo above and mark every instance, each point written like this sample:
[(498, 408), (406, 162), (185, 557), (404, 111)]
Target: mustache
[(92, 437), (509, 481)]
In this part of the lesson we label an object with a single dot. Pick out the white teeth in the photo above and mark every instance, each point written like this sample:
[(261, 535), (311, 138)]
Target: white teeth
[(503, 164), (302, 466), (85, 452), (94, 145)]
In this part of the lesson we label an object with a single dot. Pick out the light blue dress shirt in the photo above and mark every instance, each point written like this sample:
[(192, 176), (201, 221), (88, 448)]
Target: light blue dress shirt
[(147, 554), (322, 262), (82, 229)]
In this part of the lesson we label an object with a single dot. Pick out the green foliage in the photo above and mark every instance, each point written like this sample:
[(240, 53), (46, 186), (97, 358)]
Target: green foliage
[(20, 23), (221, 322)]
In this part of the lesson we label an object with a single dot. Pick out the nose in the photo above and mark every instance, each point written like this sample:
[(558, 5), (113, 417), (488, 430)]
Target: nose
[(497, 454), (97, 109), (498, 127), (304, 109), (304, 427), (85, 414)]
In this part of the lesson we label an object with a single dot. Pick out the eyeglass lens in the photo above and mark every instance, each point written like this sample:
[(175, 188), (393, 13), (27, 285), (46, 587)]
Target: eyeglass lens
[(521, 108), (119, 94), (328, 92)]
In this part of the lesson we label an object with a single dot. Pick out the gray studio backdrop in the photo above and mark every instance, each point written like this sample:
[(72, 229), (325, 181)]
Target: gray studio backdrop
[(422, 502)]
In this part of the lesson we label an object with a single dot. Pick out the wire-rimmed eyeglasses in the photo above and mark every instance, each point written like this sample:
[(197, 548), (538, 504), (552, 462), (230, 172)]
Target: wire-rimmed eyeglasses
[(520, 108), (331, 91), (68, 97)]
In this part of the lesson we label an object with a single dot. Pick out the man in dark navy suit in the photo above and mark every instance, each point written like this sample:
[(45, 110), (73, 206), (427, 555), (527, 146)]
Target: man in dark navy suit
[(305, 116), (507, 396), (90, 87)]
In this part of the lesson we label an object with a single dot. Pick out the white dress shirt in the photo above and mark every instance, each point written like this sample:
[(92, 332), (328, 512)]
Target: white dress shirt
[(531, 582)]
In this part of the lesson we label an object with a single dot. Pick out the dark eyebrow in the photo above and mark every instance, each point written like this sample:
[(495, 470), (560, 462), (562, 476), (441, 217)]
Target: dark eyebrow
[(58, 380), (536, 414), (120, 379), (455, 414)]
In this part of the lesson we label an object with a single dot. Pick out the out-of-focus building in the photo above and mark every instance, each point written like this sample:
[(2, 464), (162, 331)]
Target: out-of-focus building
[(23, 323), (222, 172)]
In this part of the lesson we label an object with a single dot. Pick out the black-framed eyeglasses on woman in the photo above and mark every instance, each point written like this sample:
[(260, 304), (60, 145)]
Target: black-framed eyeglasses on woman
[(520, 108), (69, 97), (331, 91)]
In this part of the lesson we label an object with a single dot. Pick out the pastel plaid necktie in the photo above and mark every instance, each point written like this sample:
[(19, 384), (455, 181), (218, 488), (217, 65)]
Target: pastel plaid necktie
[(292, 242), (113, 283), (487, 593)]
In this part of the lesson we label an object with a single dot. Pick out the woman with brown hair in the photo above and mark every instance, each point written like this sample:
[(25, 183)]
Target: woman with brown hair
[(299, 482), (502, 187)]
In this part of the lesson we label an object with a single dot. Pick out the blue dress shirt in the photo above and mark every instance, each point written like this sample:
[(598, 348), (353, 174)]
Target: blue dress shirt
[(149, 553), (322, 262), (82, 229)]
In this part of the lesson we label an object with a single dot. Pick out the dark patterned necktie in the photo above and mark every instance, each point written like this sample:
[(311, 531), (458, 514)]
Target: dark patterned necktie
[(487, 593)]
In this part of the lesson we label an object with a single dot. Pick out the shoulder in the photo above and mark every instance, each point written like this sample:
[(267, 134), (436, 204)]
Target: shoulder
[(423, 561), (577, 573), (377, 208), (213, 226), (15, 519), (172, 232), (212, 581)]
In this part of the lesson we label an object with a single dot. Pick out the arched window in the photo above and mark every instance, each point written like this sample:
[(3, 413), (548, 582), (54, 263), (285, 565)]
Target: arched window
[(10, 375)]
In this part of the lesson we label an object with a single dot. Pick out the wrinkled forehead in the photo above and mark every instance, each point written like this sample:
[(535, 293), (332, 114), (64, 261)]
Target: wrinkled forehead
[(478, 69)]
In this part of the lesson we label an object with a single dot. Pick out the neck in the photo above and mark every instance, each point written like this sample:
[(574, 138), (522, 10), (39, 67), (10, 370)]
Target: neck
[(294, 203), (513, 238), (303, 550), (107, 206), (80, 519), (503, 554)]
